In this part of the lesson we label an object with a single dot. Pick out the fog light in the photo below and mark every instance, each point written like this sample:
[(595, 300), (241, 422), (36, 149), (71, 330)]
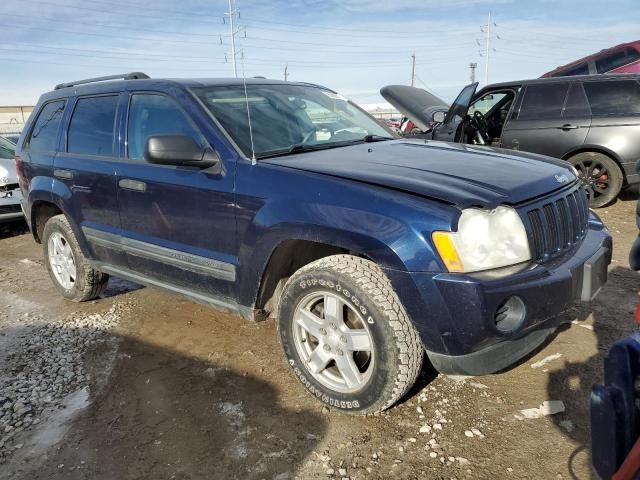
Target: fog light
[(510, 315)]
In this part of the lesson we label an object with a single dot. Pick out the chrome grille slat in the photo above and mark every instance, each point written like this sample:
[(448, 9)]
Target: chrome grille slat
[(557, 224)]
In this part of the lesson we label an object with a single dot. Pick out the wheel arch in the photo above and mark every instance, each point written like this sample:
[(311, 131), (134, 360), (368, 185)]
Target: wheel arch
[(284, 259), (598, 149)]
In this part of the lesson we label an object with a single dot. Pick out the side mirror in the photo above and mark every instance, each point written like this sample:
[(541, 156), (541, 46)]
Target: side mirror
[(439, 116), (179, 150)]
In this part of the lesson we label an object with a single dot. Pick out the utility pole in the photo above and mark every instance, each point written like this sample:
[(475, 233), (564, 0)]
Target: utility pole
[(486, 52), (233, 12), (413, 69), (473, 66), (286, 72), (488, 49)]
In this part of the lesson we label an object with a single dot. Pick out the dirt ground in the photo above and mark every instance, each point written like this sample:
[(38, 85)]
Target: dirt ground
[(180, 391)]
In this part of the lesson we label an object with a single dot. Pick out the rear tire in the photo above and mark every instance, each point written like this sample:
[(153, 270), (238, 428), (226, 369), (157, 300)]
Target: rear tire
[(68, 268), (364, 353), (602, 174)]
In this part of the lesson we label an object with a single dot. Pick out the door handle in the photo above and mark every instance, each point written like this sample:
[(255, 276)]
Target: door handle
[(63, 174), (568, 126), (134, 185)]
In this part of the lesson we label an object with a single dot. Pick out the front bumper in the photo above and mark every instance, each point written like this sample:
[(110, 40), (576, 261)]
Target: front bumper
[(10, 205), (455, 314)]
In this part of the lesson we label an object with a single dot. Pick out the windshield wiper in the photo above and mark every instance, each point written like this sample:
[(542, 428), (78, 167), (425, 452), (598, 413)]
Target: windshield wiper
[(303, 147), (375, 138)]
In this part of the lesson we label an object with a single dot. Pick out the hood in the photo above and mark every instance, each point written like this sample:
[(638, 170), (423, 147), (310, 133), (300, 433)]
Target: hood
[(462, 175), (8, 173), (415, 103)]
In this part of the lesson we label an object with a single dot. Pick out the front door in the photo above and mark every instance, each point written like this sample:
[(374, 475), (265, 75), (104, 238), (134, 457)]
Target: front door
[(553, 119), (450, 130), (178, 223)]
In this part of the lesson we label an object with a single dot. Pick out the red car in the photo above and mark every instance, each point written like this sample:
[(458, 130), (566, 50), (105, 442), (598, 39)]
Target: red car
[(623, 58)]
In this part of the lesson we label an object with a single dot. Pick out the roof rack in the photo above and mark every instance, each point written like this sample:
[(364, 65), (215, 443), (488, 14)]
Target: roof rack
[(122, 76)]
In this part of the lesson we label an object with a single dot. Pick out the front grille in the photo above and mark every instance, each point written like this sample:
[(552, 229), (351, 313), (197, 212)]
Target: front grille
[(9, 209), (558, 223)]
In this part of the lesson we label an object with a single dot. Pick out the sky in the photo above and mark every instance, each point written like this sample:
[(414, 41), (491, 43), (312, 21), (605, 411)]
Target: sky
[(355, 47)]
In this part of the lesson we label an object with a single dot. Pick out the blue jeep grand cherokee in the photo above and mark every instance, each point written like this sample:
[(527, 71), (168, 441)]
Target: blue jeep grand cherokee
[(285, 199)]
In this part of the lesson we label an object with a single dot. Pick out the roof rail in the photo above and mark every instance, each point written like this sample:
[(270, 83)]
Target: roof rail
[(122, 76)]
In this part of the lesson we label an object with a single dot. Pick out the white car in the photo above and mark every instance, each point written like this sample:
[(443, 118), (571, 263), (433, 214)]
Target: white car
[(10, 195)]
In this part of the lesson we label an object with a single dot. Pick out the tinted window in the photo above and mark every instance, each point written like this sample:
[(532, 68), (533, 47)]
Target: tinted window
[(617, 59), (580, 69), (543, 101), (614, 98), (91, 127), (7, 149), (155, 115), (44, 136), (576, 105)]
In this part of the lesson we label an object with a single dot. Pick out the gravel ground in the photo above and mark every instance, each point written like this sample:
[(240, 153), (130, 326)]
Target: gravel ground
[(142, 384)]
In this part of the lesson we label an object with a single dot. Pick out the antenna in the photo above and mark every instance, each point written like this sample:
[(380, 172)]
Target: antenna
[(246, 99)]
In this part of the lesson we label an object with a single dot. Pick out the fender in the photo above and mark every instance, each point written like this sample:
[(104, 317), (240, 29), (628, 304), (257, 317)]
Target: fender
[(394, 240), (587, 147)]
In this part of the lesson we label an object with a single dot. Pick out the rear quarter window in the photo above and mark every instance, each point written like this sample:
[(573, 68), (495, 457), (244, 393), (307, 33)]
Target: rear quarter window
[(91, 130), (44, 135), (614, 97)]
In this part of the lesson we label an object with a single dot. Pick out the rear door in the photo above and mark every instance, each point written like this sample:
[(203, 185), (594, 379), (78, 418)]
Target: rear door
[(552, 119), (86, 166), (178, 223)]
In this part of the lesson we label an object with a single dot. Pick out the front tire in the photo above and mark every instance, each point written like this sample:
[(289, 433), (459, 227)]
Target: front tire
[(602, 174), (68, 268), (346, 335)]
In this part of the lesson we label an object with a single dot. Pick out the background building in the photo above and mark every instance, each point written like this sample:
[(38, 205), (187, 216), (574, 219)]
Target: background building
[(13, 118)]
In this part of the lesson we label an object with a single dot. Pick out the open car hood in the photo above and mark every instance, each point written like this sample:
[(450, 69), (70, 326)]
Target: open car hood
[(415, 103)]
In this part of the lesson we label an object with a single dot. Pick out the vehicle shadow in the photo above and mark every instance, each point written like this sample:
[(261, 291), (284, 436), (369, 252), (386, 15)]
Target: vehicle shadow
[(163, 414), (118, 286), (612, 320)]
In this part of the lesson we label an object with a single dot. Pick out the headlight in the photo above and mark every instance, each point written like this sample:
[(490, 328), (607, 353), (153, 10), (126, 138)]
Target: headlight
[(485, 239)]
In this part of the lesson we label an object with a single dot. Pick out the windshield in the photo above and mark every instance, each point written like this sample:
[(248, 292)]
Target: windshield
[(288, 118), (486, 103), (7, 149)]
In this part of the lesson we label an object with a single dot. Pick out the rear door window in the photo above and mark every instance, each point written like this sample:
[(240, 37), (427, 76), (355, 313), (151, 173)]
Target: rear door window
[(617, 59), (543, 101), (580, 69), (621, 97), (91, 130), (44, 136)]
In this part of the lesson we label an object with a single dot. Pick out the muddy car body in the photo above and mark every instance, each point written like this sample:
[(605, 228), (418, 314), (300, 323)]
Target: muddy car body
[(286, 199)]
